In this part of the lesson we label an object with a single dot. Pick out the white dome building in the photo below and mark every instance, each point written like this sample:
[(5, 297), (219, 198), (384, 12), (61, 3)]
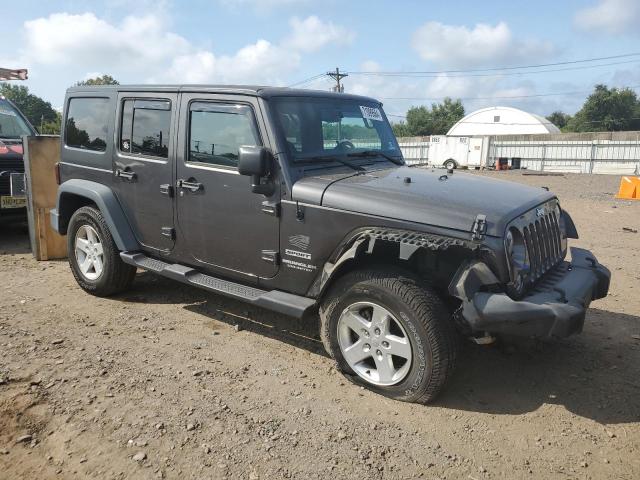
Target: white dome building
[(502, 121)]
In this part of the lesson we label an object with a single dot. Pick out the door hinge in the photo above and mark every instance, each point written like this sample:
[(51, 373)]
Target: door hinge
[(168, 232), (479, 229), (299, 212), (271, 256), (166, 189), (271, 208)]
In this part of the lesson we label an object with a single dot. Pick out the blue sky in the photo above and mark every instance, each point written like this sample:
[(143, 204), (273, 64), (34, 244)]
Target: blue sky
[(281, 42)]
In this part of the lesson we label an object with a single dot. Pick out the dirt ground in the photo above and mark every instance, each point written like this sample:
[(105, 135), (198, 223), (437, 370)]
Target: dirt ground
[(160, 383)]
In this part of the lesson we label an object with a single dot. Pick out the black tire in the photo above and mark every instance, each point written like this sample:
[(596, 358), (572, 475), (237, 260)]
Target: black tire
[(423, 316), (451, 164), (116, 275)]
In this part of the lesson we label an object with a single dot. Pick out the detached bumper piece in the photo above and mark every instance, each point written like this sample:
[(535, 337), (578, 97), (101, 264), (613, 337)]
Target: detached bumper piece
[(554, 309)]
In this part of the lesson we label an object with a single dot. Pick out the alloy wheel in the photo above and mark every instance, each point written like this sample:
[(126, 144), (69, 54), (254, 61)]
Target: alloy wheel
[(374, 343), (89, 252)]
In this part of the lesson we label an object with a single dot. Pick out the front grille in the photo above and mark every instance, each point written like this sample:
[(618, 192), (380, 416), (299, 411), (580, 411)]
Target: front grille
[(544, 243), (7, 166)]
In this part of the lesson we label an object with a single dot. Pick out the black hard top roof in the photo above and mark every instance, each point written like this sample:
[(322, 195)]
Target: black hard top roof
[(256, 90)]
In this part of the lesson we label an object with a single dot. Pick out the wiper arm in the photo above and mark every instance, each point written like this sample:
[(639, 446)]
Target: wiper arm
[(327, 158), (375, 153)]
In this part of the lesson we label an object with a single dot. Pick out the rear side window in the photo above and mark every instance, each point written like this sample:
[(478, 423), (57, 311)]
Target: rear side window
[(217, 131), (86, 125), (145, 127)]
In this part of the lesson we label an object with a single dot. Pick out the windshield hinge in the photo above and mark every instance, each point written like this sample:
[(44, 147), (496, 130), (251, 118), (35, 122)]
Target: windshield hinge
[(299, 212), (479, 229)]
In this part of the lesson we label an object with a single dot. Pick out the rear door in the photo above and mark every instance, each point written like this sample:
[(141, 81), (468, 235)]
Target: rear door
[(475, 151), (144, 165), (221, 222)]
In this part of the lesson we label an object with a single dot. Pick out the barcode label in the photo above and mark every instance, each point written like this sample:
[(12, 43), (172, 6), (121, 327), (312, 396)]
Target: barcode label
[(371, 113)]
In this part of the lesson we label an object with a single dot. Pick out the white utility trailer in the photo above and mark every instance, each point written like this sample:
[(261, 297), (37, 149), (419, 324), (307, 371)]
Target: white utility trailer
[(454, 152)]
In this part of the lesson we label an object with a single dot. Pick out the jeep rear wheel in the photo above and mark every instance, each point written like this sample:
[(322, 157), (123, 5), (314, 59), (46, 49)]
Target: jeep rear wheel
[(93, 255), (389, 332)]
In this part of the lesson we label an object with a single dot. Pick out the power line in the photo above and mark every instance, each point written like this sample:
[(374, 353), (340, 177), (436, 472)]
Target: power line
[(438, 74), (504, 96), (477, 72), (307, 80), (493, 69)]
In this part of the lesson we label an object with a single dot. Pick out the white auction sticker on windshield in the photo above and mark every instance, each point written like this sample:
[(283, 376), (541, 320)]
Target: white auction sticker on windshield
[(371, 113)]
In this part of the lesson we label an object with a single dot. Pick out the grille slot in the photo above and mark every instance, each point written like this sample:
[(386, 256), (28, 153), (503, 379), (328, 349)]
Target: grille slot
[(543, 242)]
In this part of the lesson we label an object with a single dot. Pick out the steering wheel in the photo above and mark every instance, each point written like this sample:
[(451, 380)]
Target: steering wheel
[(345, 145)]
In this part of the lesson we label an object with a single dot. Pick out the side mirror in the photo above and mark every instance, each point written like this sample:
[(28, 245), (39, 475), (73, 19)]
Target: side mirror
[(256, 162)]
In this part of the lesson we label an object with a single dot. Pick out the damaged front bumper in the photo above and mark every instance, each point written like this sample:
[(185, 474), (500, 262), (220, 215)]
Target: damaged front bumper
[(555, 308)]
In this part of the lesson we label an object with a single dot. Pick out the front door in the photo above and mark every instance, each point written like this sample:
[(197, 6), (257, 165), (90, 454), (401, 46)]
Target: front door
[(144, 165), (221, 223)]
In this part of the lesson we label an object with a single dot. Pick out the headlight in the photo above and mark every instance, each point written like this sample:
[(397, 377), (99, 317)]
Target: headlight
[(517, 258)]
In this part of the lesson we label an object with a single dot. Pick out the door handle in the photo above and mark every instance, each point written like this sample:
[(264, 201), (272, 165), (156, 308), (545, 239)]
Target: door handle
[(190, 185), (127, 175)]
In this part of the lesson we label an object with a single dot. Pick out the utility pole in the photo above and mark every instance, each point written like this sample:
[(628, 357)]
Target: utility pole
[(337, 76)]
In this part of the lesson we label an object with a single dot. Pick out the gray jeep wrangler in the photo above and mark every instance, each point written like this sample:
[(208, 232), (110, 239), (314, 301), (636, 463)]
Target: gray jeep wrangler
[(300, 202)]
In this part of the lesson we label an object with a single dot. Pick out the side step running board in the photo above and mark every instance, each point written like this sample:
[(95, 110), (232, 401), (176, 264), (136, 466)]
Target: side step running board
[(282, 302)]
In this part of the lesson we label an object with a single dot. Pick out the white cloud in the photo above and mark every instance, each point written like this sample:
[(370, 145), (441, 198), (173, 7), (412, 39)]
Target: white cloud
[(258, 62), (312, 34), (63, 38), (484, 45), (144, 46), (610, 16)]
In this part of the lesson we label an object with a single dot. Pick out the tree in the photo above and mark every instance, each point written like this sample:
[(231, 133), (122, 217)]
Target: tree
[(53, 127), (37, 111), (559, 119), (400, 129), (102, 80), (436, 120), (607, 109)]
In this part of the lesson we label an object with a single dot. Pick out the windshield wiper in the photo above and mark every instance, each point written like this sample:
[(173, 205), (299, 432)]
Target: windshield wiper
[(331, 158), (375, 153)]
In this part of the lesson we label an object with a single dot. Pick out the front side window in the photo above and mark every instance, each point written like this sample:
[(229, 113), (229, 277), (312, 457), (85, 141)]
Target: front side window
[(145, 127), (86, 124), (217, 131), (329, 127)]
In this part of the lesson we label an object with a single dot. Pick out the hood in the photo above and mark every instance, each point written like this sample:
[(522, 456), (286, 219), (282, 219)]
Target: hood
[(424, 196)]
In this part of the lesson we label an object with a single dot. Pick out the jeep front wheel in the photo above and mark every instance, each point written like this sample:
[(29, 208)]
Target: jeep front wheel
[(93, 255), (390, 333)]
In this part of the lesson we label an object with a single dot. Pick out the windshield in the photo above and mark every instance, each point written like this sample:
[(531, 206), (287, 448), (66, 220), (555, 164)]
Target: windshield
[(316, 129), (12, 125)]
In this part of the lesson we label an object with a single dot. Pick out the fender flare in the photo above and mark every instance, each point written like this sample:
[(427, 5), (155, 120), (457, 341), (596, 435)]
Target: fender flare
[(569, 226), (107, 203), (363, 240)]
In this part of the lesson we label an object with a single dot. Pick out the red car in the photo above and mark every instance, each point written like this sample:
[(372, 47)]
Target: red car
[(13, 125)]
